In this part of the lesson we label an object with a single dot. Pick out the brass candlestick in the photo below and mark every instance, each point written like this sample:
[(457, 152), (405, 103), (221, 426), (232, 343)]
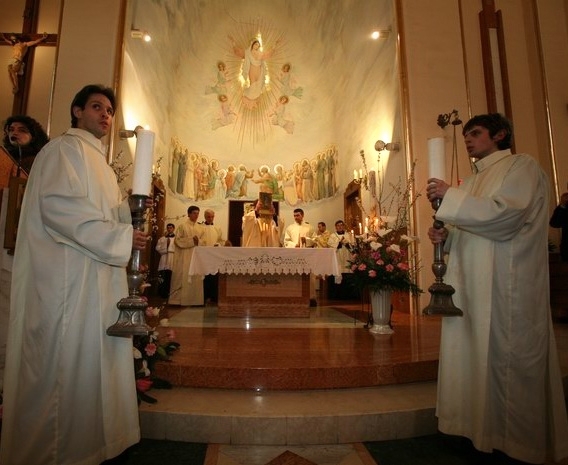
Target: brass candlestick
[(131, 319), (441, 302)]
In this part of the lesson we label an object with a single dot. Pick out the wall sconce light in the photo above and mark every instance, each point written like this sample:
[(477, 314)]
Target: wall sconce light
[(381, 34), (390, 146), (138, 34), (449, 118), (127, 133)]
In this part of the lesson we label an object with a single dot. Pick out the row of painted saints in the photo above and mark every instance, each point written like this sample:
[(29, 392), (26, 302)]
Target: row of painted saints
[(247, 93), (196, 177)]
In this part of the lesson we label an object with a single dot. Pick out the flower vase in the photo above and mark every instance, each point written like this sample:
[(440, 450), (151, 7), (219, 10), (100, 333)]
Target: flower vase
[(381, 307)]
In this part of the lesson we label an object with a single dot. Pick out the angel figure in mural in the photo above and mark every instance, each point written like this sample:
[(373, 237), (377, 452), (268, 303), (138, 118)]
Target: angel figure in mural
[(240, 183), (230, 178), (307, 180), (321, 171), (220, 87), (174, 168), (220, 190), (289, 187), (288, 85), (298, 184), (189, 181), (268, 182), (331, 158), (280, 176), (226, 116), (254, 69), (202, 177), (277, 115)]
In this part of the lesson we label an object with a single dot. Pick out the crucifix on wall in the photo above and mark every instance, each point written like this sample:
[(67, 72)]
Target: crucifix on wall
[(23, 44), (494, 60)]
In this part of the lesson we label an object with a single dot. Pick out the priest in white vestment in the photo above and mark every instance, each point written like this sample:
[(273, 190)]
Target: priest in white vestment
[(261, 230), (183, 290), (499, 381), (69, 392)]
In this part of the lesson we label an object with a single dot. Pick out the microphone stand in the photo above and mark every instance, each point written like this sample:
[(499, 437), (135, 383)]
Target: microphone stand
[(14, 141)]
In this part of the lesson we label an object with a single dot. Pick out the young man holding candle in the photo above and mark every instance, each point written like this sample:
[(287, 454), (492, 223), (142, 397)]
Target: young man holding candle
[(69, 392), (499, 381)]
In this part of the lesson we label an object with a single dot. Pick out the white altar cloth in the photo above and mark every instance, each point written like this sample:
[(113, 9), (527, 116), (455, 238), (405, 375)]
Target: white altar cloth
[(264, 260)]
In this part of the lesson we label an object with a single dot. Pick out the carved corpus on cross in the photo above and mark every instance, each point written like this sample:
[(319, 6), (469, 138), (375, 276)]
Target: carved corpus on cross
[(23, 44)]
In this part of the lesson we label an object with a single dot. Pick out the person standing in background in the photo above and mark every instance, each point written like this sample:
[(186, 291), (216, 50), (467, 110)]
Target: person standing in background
[(188, 235), (166, 248), (321, 239), (559, 219), (299, 231), (341, 240), (212, 237), (24, 137), (69, 389)]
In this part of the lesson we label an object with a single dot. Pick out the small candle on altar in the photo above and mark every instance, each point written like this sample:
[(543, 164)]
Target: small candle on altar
[(366, 231), (143, 157), (360, 229), (436, 158), (360, 174), (355, 174)]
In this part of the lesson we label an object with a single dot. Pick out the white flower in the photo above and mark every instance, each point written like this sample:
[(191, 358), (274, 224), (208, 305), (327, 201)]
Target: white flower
[(144, 368), (376, 246), (395, 247), (389, 219), (409, 239), (383, 232), (137, 354)]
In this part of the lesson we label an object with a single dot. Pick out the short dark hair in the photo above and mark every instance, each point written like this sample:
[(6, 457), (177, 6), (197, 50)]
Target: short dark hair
[(493, 122), (39, 136), (192, 208), (170, 224), (298, 210), (83, 95), (321, 223), (339, 222)]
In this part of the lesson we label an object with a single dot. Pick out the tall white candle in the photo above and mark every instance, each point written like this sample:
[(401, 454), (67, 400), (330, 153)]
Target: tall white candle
[(437, 158), (143, 160)]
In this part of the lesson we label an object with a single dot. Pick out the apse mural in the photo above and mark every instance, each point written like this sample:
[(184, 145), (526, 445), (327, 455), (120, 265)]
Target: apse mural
[(253, 82), (194, 176)]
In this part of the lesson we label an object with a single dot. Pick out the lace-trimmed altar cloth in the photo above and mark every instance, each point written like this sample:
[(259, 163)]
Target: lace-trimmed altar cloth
[(263, 260)]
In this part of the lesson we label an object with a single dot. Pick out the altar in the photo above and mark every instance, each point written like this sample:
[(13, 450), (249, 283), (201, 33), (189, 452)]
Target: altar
[(263, 281)]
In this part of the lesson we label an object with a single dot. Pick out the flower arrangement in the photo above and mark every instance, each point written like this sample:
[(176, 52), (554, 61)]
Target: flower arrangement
[(380, 256), (148, 350)]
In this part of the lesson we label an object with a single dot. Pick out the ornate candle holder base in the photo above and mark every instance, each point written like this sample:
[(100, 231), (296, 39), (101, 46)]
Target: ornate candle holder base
[(131, 319), (441, 302)]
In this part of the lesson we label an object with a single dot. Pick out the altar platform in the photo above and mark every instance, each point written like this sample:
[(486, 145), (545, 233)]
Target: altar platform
[(328, 350), (227, 352)]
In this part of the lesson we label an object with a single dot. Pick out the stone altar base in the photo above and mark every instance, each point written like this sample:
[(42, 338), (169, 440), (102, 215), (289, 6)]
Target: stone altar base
[(264, 296)]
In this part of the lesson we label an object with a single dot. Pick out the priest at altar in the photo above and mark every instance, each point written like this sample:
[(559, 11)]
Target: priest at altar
[(262, 230)]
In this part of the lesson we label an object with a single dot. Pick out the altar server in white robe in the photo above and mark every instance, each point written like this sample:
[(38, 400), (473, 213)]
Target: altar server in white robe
[(300, 233), (212, 237), (69, 392), (499, 381), (183, 290), (261, 230)]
